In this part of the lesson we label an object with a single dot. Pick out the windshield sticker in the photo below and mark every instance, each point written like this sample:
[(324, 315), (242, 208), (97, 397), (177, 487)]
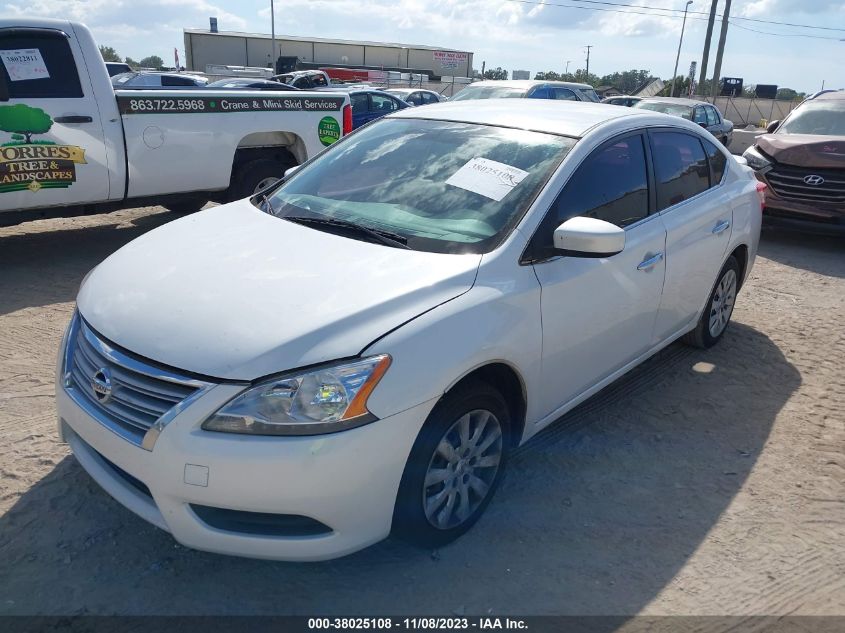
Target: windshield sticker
[(24, 64), (34, 164), (488, 178), (328, 130)]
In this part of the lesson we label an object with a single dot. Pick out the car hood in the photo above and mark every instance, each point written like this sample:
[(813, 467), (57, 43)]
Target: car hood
[(804, 150), (234, 293)]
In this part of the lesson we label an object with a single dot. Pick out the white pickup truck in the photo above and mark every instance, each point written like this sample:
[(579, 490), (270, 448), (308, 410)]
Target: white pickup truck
[(70, 144)]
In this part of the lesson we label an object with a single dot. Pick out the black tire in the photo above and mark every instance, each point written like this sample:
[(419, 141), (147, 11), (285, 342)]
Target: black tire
[(701, 335), (249, 175), (410, 522), (184, 207)]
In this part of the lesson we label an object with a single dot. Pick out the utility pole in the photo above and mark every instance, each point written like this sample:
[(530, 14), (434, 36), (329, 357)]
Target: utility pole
[(589, 46), (678, 56), (273, 35), (568, 61), (721, 50), (706, 56)]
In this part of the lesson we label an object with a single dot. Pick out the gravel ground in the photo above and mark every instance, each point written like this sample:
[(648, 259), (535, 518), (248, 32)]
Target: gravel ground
[(702, 483)]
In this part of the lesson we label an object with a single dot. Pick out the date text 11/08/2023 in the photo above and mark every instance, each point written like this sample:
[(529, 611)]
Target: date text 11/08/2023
[(421, 623)]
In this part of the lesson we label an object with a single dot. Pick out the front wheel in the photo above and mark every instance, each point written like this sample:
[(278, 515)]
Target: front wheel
[(256, 175), (455, 466), (716, 316)]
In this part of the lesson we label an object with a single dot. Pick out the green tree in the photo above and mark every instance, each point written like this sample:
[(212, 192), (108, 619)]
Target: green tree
[(109, 54), (153, 61), (787, 94), (496, 73), (21, 119), (132, 63)]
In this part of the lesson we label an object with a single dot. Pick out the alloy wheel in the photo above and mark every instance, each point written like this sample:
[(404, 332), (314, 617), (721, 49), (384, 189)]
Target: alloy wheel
[(722, 304)]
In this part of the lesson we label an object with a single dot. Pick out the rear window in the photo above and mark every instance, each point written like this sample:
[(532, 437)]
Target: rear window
[(590, 94), (680, 167), (489, 92), (675, 109), (38, 64)]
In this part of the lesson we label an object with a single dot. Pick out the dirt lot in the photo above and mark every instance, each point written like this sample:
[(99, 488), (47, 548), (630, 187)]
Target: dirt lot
[(704, 483)]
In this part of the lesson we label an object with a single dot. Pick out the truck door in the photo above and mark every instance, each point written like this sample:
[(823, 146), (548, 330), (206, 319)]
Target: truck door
[(52, 147)]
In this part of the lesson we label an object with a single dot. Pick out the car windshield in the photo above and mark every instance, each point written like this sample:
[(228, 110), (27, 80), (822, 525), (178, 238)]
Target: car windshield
[(439, 186), (816, 117), (590, 94), (489, 92), (675, 109)]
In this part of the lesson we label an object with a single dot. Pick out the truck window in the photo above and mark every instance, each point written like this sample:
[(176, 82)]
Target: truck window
[(38, 64)]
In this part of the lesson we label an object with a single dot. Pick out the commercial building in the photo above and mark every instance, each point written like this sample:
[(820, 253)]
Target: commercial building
[(204, 48)]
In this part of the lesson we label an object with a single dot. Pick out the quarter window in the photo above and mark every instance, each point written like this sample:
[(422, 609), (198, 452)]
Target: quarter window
[(680, 168), (610, 185), (378, 103), (699, 115), (51, 52), (717, 160)]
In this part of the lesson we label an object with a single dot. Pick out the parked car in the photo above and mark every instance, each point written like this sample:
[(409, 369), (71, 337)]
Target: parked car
[(144, 80), (116, 68), (82, 146), (359, 350), (305, 79), (369, 105), (525, 89), (417, 96), (701, 112), (622, 100), (245, 83), (802, 160)]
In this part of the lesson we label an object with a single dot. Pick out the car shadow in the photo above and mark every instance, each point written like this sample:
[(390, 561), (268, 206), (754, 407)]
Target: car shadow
[(46, 267), (598, 513), (814, 252)]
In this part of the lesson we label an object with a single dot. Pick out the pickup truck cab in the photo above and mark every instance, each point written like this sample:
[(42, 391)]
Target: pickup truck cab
[(71, 144)]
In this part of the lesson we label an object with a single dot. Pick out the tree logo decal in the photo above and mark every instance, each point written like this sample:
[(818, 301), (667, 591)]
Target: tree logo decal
[(34, 164)]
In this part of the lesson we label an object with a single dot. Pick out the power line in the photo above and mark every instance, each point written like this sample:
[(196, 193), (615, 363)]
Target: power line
[(674, 13), (815, 37)]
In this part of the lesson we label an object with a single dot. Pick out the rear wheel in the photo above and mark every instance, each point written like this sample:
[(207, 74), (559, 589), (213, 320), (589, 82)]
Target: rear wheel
[(455, 466), (256, 175), (716, 316)]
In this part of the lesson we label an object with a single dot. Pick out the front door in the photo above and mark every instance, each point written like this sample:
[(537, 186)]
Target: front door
[(598, 313), (52, 148)]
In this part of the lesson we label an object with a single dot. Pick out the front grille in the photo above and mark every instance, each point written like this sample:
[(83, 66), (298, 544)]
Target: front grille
[(140, 393), (787, 181)]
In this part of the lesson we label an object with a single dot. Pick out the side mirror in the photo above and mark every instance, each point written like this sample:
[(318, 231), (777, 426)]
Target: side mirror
[(291, 170), (589, 237), (771, 127), (704, 125)]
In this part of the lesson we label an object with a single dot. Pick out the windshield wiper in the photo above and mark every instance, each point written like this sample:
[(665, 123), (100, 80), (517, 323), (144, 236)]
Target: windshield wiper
[(266, 205), (383, 237)]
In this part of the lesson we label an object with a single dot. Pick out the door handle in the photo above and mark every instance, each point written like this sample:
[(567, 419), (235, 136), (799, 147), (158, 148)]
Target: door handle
[(721, 227), (649, 263), (74, 118)]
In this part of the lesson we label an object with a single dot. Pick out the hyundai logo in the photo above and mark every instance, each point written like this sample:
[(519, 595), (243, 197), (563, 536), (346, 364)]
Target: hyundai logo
[(814, 180), (101, 385)]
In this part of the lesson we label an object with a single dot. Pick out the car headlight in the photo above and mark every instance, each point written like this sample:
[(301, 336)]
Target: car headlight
[(323, 400), (756, 160)]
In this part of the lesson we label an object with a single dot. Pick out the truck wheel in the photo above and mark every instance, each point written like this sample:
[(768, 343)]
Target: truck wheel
[(184, 207), (256, 175)]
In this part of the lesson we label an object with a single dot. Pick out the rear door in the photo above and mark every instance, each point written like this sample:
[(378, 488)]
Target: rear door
[(598, 314), (696, 211), (52, 147)]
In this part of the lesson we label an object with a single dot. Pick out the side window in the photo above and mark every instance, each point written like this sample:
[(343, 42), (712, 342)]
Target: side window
[(359, 103), (680, 167), (717, 160), (564, 93), (380, 103), (415, 98), (429, 98), (38, 65), (611, 184), (699, 115), (712, 116)]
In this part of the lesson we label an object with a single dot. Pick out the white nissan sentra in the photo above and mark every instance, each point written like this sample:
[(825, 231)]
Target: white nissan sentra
[(357, 351)]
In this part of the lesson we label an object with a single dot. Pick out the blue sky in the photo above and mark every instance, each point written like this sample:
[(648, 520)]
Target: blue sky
[(508, 33)]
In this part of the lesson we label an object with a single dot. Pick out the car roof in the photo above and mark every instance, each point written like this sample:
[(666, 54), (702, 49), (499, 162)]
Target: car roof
[(833, 95), (566, 118), (528, 83), (408, 90), (676, 101)]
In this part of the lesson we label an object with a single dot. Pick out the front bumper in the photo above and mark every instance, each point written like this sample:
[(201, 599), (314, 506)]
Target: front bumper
[(347, 481)]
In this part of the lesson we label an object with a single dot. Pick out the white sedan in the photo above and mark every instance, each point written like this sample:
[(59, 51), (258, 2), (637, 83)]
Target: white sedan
[(357, 350)]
